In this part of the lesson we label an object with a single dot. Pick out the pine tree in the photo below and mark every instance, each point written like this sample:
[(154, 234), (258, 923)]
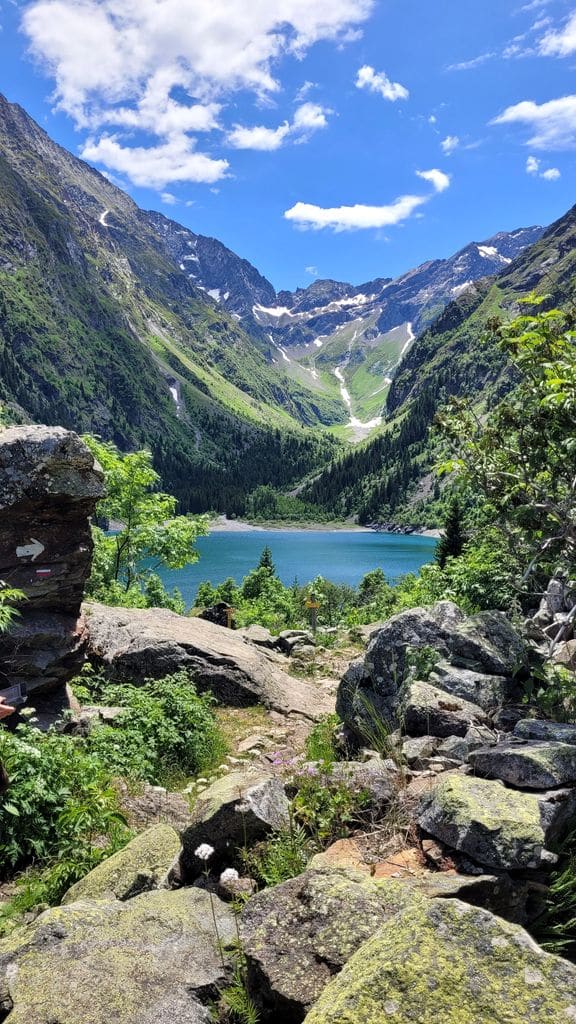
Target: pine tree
[(266, 561), (451, 543)]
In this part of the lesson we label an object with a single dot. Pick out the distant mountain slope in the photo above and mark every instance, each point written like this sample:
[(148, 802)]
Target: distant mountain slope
[(451, 357), (332, 335), (101, 330)]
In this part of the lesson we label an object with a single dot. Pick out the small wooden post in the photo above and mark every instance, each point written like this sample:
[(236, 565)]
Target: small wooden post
[(229, 616), (313, 604)]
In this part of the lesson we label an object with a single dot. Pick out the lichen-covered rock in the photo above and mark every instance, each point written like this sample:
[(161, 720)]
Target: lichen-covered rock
[(143, 864), (416, 749), (49, 487), (151, 960), (133, 644), (487, 691), (297, 935), (499, 827), (535, 729), (528, 765), (445, 962), (428, 710), (374, 779), (233, 812), (481, 644)]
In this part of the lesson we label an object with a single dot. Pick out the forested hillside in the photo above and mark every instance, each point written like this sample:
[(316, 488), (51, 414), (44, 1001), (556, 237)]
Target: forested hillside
[(101, 331), (388, 475)]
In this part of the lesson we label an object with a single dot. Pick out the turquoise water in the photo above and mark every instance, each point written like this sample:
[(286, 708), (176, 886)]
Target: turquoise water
[(301, 554)]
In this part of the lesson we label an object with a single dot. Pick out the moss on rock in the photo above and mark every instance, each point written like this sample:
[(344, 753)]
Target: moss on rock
[(145, 961), (297, 935), (445, 962), (142, 865)]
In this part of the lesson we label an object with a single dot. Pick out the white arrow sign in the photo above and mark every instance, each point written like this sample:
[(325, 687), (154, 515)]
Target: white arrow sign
[(32, 550)]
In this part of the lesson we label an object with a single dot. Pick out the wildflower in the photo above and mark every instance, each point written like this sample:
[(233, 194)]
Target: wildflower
[(204, 851), (229, 875), (27, 712)]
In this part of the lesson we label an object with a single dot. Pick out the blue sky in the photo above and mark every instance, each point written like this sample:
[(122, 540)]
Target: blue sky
[(349, 139)]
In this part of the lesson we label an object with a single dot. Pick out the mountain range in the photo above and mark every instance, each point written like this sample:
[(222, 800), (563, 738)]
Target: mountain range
[(124, 323)]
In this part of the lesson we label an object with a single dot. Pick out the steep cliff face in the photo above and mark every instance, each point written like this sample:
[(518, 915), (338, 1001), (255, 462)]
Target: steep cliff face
[(49, 486)]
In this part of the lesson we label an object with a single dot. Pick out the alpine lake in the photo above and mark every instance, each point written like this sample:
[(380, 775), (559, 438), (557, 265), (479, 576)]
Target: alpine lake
[(342, 556)]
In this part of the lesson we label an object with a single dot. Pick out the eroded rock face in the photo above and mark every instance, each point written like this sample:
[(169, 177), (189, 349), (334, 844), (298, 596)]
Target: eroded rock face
[(49, 486), (150, 960), (445, 961), (498, 827), (133, 644), (297, 935)]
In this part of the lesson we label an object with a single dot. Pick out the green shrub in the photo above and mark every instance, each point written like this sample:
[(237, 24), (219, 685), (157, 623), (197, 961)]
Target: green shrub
[(321, 741), (168, 730), (60, 814)]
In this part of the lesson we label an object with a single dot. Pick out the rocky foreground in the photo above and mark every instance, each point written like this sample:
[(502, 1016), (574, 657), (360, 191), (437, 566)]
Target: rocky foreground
[(422, 916)]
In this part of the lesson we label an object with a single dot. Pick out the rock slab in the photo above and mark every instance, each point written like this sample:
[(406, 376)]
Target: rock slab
[(143, 864), (150, 960), (445, 962), (297, 935), (134, 644), (498, 827), (232, 813)]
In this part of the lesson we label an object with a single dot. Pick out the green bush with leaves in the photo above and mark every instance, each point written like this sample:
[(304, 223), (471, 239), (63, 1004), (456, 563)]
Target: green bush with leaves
[(60, 813), (167, 732)]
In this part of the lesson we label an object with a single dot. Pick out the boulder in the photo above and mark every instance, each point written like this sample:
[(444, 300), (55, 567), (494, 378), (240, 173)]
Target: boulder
[(49, 487), (232, 813), (527, 765), (445, 962), (537, 729), (429, 711), (486, 691), (374, 778), (134, 644), (417, 749), (484, 644), (152, 960), (143, 864), (297, 935), (291, 639), (258, 635), (459, 747), (497, 827)]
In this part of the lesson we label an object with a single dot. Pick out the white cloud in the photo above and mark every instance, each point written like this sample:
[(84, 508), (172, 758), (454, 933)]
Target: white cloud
[(258, 137), (313, 271), (437, 178), (308, 118), (561, 43), (533, 167), (358, 217), (168, 198), (351, 218), (432, 119), (449, 144), (553, 123), (378, 81), (156, 166), (475, 62), (166, 67)]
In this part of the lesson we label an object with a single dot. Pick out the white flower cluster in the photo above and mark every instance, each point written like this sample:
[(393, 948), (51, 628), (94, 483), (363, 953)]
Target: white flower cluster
[(204, 851), (229, 875)]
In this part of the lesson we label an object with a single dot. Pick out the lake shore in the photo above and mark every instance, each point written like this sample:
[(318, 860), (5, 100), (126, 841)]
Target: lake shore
[(224, 525)]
